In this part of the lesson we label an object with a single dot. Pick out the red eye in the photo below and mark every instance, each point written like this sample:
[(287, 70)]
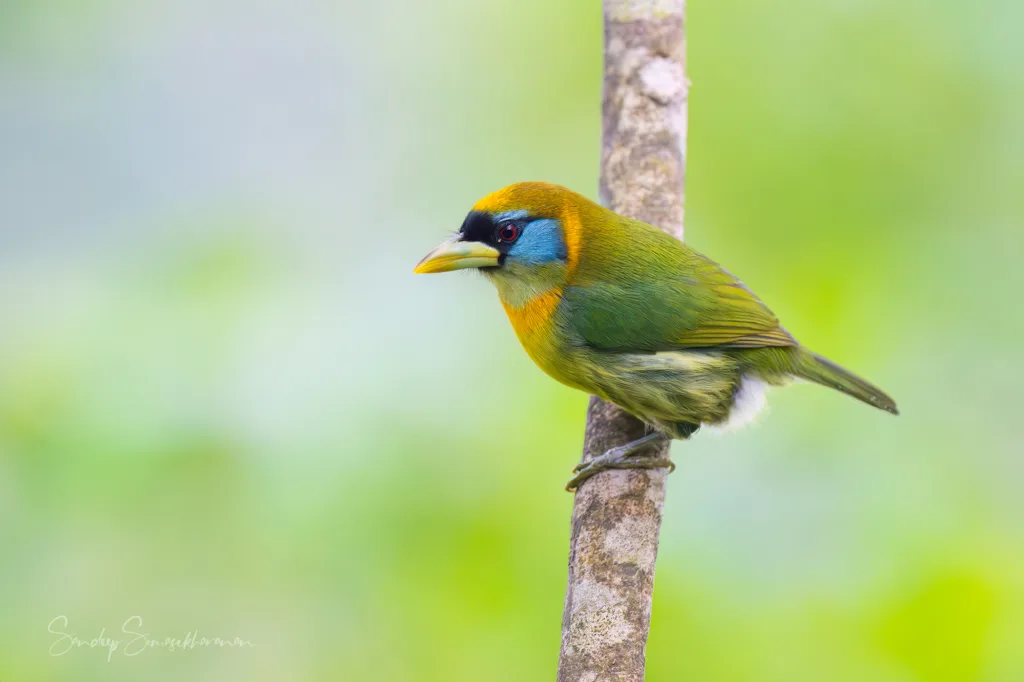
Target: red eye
[(508, 232)]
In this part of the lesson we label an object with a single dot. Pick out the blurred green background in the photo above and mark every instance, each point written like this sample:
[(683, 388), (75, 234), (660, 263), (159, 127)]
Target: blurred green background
[(226, 404)]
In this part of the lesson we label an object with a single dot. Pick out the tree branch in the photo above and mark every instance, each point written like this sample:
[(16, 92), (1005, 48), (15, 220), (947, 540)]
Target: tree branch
[(617, 514)]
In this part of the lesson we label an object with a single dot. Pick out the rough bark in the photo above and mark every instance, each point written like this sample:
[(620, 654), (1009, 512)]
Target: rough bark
[(617, 514)]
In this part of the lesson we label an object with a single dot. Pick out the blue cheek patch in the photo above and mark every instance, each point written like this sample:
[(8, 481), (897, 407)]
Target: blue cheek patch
[(542, 241)]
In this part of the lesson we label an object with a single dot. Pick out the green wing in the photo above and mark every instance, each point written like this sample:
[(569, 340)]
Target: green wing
[(666, 298)]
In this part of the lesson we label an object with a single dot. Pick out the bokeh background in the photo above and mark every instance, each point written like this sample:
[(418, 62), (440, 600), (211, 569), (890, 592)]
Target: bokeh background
[(226, 404)]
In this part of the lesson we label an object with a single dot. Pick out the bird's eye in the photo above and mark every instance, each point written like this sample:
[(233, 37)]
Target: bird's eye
[(508, 232)]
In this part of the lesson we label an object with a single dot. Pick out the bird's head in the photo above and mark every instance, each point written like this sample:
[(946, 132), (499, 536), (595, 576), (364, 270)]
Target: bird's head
[(521, 237)]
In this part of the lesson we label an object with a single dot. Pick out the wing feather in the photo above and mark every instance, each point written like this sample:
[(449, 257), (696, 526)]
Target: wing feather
[(677, 300)]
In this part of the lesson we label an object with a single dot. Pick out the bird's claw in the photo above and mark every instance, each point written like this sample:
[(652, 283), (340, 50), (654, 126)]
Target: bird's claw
[(604, 463)]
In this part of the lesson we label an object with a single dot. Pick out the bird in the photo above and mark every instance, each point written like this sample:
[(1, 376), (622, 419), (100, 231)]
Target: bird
[(620, 309)]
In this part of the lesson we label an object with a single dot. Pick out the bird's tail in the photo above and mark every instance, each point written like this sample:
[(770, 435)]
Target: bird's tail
[(820, 370)]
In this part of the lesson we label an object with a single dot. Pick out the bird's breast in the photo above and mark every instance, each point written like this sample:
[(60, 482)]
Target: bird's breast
[(535, 324)]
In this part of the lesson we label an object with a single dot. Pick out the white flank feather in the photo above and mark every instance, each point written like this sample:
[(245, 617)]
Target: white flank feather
[(750, 400)]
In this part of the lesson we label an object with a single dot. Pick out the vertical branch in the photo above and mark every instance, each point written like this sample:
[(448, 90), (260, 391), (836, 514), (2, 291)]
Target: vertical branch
[(617, 514)]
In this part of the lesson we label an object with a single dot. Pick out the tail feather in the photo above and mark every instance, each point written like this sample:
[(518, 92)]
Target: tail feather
[(827, 373)]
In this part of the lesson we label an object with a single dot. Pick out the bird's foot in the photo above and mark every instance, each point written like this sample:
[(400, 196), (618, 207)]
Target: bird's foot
[(628, 456)]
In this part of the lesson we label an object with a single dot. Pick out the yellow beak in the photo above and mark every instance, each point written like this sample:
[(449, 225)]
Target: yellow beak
[(457, 255)]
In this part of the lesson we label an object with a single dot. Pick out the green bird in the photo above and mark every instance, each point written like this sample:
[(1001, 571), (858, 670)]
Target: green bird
[(617, 308)]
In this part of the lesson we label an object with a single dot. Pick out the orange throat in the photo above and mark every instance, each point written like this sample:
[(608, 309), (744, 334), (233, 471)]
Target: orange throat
[(532, 323)]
